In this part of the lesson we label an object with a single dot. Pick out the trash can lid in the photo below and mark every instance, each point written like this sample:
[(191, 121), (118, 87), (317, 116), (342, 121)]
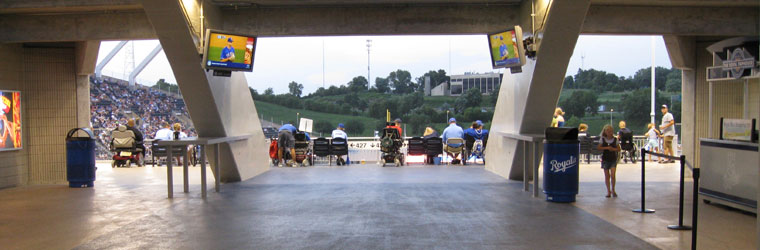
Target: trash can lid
[(70, 135), (561, 134)]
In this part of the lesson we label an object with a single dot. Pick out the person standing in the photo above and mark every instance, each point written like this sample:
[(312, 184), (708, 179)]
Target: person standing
[(340, 132), (668, 132), (610, 146), (286, 142), (559, 120), (653, 140)]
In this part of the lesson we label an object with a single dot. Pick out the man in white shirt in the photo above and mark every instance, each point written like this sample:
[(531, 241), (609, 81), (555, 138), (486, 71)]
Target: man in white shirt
[(340, 133), (668, 131), (165, 133)]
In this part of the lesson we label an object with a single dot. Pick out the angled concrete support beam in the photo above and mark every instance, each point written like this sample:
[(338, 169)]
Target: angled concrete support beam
[(527, 100), (102, 64), (218, 106), (681, 51), (145, 62)]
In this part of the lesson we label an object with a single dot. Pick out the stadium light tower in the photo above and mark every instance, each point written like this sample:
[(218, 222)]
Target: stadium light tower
[(369, 45)]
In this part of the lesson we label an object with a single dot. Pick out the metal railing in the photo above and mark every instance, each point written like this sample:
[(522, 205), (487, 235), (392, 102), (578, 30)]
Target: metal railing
[(695, 194)]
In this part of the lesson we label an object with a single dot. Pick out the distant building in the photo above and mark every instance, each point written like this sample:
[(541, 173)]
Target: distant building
[(486, 82)]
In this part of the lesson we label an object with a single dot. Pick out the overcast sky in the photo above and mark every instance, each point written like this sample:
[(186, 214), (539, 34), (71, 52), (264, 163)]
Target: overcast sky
[(279, 61)]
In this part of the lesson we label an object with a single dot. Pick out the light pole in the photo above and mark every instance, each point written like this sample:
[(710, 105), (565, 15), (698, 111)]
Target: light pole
[(447, 116), (299, 115), (611, 116), (369, 45)]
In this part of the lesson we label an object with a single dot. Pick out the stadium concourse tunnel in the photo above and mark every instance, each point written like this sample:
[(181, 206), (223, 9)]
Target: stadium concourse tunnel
[(56, 85)]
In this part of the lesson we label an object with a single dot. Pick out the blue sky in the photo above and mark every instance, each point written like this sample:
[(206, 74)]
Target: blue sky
[(281, 60)]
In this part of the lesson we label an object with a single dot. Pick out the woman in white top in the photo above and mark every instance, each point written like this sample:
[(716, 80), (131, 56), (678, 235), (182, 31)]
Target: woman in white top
[(653, 140)]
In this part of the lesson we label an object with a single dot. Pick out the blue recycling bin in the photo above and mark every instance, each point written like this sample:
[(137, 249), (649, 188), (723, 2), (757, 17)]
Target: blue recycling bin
[(80, 158), (561, 151)]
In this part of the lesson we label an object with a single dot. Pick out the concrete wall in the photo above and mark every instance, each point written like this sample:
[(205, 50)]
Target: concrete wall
[(13, 164), (47, 80), (50, 92)]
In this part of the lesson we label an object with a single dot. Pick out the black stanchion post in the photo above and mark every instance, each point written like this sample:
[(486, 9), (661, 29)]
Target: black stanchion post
[(695, 207), (643, 186), (680, 225)]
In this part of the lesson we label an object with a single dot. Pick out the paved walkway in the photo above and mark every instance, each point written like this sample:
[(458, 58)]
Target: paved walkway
[(360, 207)]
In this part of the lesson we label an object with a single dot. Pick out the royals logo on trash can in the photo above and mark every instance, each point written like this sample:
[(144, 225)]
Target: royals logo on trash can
[(562, 166)]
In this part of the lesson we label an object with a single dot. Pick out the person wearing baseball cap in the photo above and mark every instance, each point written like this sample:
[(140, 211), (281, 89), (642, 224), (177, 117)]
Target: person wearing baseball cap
[(397, 126), (452, 131), (340, 132), (668, 131), (228, 52)]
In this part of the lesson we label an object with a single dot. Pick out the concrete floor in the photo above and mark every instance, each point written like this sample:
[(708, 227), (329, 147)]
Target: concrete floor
[(359, 207)]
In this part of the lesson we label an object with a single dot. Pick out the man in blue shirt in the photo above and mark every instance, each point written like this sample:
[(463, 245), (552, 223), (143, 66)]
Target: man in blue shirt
[(228, 53), (286, 141), (452, 131)]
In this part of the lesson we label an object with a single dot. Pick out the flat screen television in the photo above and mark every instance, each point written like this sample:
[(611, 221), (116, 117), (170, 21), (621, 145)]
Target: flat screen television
[(10, 120), (229, 52), (506, 48)]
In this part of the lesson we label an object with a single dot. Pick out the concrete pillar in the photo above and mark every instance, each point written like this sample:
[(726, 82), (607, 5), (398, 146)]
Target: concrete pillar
[(527, 100), (218, 106), (683, 55), (86, 55)]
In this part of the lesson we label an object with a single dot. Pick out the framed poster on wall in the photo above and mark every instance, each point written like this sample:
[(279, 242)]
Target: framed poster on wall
[(10, 120)]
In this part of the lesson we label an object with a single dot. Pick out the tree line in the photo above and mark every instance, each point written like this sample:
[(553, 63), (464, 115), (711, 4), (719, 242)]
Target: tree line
[(397, 93)]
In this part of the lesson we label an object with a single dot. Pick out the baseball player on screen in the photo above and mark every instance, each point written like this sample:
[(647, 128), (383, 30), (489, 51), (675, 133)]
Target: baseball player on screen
[(228, 52)]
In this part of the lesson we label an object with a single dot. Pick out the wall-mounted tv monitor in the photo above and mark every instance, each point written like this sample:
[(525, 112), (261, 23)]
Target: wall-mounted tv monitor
[(230, 52), (10, 120), (506, 48)]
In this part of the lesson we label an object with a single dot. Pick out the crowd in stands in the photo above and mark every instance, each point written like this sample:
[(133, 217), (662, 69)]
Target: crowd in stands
[(114, 102)]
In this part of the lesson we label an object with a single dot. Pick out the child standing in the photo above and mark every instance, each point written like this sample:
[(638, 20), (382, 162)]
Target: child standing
[(653, 139), (610, 147)]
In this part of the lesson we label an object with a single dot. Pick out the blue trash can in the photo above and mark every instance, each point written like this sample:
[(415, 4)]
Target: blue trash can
[(561, 150), (80, 158)]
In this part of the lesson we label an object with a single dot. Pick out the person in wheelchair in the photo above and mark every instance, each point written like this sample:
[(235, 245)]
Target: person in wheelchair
[(475, 140), (139, 139), (397, 125), (390, 145), (453, 140), (625, 137), (123, 143)]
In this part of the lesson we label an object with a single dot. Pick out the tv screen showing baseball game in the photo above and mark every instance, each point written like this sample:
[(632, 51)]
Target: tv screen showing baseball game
[(507, 48), (229, 51), (10, 120)]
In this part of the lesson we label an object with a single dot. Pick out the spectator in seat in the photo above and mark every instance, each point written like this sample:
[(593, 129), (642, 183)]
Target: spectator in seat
[(340, 132), (430, 133), (139, 139), (165, 133), (582, 130), (452, 131)]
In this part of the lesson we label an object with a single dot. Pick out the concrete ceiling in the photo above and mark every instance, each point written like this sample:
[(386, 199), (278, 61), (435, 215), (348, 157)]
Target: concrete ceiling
[(289, 3)]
